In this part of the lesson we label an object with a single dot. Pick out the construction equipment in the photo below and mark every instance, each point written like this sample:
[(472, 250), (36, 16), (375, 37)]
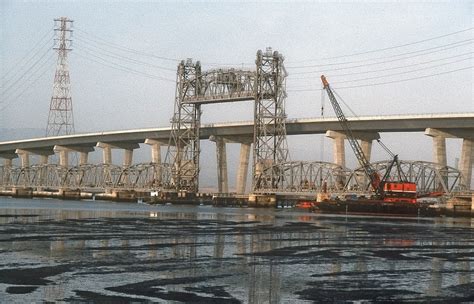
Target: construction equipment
[(388, 191)]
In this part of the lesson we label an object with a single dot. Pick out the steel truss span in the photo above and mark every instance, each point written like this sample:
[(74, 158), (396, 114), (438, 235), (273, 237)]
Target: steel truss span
[(306, 176), (224, 85), (87, 177), (430, 178), (295, 176)]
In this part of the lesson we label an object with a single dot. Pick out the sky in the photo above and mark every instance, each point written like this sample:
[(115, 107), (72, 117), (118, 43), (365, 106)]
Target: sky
[(381, 57)]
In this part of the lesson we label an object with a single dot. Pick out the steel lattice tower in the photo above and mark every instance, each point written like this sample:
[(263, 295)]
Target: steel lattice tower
[(183, 149), (60, 118), (270, 146)]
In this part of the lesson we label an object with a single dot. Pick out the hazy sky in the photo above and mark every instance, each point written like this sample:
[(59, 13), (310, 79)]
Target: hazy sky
[(130, 36)]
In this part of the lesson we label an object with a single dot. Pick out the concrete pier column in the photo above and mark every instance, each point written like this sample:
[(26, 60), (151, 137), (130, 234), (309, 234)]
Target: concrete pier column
[(24, 157), (439, 145), (107, 151), (155, 149), (127, 157), (107, 155), (339, 153), (439, 150), (156, 156), (83, 158), (242, 171), (64, 158), (366, 146), (44, 159), (222, 177), (156, 153), (65, 150), (466, 161), (7, 162)]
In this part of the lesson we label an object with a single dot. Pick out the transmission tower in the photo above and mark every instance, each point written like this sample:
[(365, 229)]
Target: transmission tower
[(60, 118), (270, 146)]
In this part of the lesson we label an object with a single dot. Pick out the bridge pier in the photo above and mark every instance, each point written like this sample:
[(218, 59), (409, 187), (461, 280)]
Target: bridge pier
[(439, 148), (339, 155), (156, 157), (24, 158), (24, 155), (222, 177), (338, 148), (65, 150), (467, 155), (107, 152), (242, 171), (467, 158)]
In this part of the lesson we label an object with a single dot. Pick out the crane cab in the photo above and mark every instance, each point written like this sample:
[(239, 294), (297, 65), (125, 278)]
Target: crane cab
[(396, 192)]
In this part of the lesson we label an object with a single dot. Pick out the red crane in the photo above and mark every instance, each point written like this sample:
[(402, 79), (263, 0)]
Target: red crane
[(389, 191)]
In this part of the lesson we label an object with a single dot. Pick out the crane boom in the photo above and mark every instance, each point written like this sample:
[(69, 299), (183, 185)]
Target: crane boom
[(355, 145)]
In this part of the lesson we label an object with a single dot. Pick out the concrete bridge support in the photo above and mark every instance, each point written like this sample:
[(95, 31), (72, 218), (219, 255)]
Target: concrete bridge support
[(156, 156), (24, 158), (7, 162), (221, 153), (439, 148), (65, 150), (467, 159), (24, 155), (338, 148), (339, 155), (242, 171), (107, 152), (127, 157)]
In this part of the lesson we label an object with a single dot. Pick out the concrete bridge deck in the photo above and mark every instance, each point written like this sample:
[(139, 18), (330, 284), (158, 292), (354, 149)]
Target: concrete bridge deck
[(457, 124)]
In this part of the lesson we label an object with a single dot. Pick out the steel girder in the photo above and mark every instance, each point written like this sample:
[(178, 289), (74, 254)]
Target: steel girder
[(224, 85), (306, 176), (295, 176), (85, 177), (429, 177)]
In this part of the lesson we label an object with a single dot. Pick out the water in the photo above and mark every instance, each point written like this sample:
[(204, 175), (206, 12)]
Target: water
[(69, 251)]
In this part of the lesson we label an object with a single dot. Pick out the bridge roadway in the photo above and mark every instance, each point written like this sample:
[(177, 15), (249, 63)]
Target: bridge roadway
[(452, 125)]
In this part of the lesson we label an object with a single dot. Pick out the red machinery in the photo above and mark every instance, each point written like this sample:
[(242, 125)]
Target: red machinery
[(388, 191)]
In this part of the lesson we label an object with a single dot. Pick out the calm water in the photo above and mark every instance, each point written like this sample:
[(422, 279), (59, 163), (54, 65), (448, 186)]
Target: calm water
[(68, 251)]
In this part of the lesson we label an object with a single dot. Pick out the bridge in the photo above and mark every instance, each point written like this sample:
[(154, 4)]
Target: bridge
[(301, 176), (272, 170)]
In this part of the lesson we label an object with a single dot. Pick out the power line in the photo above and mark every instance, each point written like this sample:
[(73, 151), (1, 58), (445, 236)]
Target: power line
[(123, 48), (405, 72), (383, 83), (118, 56), (30, 75), (40, 75), (122, 68), (102, 41), (391, 47), (386, 69), (381, 62), (26, 63), (29, 53), (25, 73), (442, 47)]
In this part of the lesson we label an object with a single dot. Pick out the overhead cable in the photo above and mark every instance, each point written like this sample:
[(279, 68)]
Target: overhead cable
[(383, 83), (389, 48)]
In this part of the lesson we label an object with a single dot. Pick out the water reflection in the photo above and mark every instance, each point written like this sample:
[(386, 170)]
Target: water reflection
[(252, 256)]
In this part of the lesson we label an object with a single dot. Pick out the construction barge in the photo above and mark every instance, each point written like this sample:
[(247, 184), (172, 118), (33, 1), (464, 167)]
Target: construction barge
[(460, 205)]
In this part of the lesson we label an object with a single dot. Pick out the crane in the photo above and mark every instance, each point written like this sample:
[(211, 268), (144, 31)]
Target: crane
[(397, 191)]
